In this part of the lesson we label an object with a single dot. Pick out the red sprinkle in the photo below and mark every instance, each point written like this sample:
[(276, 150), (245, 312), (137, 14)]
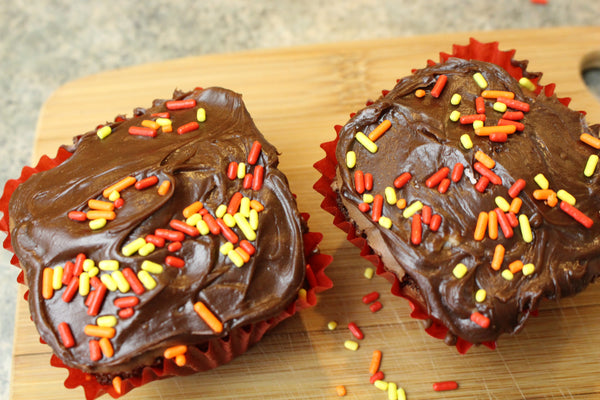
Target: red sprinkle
[(173, 261), (94, 308), (125, 302), (212, 224), (66, 336), (155, 240), (480, 319), (371, 297), (469, 119), (133, 280), (513, 115), (426, 214), (576, 214), (95, 282), (512, 219), (232, 170), (183, 227), (498, 137), (257, 179), (186, 128), (416, 230), (375, 306), (77, 216), (436, 178), (119, 202), (254, 152), (173, 247), (368, 181), (161, 115), (227, 232), (448, 385), (516, 188), (247, 182), (359, 181), (439, 86), (364, 207), (377, 207), (142, 131), (507, 230), (71, 289), (247, 247), (457, 172), (482, 184), (436, 221), (95, 351), (515, 104), (444, 185), (379, 376), (519, 125), (480, 105), (355, 330), (68, 272), (126, 313), (180, 104), (234, 203), (146, 182), (79, 264), (402, 180), (485, 171), (173, 236)]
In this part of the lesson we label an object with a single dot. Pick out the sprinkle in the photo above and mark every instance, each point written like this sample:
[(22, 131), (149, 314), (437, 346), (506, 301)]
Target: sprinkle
[(95, 352), (480, 295), (142, 131), (181, 226), (152, 267), (507, 230), (590, 140), (412, 209), (368, 181), (163, 122), (351, 345), (211, 223), (235, 258), (256, 205), (541, 180), (226, 248), (146, 279), (109, 265), (241, 170), (426, 215), (47, 287), (492, 94), (208, 317), (515, 205), (164, 187), (542, 194), (93, 272), (202, 228), (66, 336), (519, 126), (480, 105), (552, 200), (401, 394), (175, 262), (174, 351), (515, 104), (485, 159), (454, 116), (232, 170), (167, 128), (436, 221), (440, 83), (378, 376), (145, 183), (245, 227), (402, 180), (84, 284), (480, 80), (527, 84), (126, 313), (150, 124), (368, 273), (107, 321), (390, 195), (477, 125), (132, 247), (245, 256), (513, 116), (245, 209), (420, 93), (375, 306), (465, 141), (377, 207), (331, 325), (381, 385), (366, 142), (109, 282), (385, 222), (77, 216), (375, 362), (56, 280), (512, 219), (480, 228), (459, 270), (498, 257), (500, 107), (437, 177), (368, 198), (340, 390), (506, 274), (350, 159), (566, 196), (525, 228), (180, 104), (515, 266), (252, 220), (416, 231), (99, 331), (401, 204), (502, 203), (576, 214), (108, 351), (257, 179), (118, 202), (104, 131), (100, 214), (488, 130), (455, 99), (528, 269), (457, 172), (201, 114), (591, 165), (379, 130), (355, 330), (498, 137), (451, 385), (469, 119), (97, 300), (492, 225)]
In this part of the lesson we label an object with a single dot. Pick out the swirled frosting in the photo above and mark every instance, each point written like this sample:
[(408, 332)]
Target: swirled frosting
[(563, 255), (196, 165)]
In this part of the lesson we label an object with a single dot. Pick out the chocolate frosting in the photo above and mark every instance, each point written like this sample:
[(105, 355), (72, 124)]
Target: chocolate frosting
[(422, 139), (196, 164)]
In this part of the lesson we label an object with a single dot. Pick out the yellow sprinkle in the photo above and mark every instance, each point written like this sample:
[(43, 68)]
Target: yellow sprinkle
[(566, 197), (163, 121), (201, 115), (245, 207), (455, 99), (480, 80), (193, 219), (104, 131), (146, 279), (412, 209), (229, 221), (477, 124), (108, 265), (502, 203), (590, 166), (109, 282), (480, 295), (226, 248), (331, 325), (392, 390), (121, 282), (368, 198), (132, 247), (220, 211), (235, 258), (385, 222), (366, 142), (390, 195), (454, 115), (542, 182), (84, 284), (381, 385), (203, 228), (57, 278), (152, 267), (96, 224), (253, 220), (460, 270), (351, 345), (528, 269), (527, 84), (88, 264), (506, 274), (350, 159), (244, 226), (302, 294), (401, 394), (466, 142), (114, 195), (241, 172), (368, 273), (146, 249), (93, 272), (525, 228), (109, 321), (500, 107)]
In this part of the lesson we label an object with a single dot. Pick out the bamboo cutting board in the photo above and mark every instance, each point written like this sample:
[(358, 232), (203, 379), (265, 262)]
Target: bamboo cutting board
[(296, 96)]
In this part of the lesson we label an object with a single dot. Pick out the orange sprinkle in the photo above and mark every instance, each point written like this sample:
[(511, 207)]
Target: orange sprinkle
[(380, 130), (485, 159), (256, 205), (97, 214), (47, 289), (542, 194), (498, 257), (341, 390), (481, 226), (99, 331), (208, 317), (487, 130), (180, 360), (515, 205), (401, 204), (101, 205), (552, 200), (515, 266), (192, 209), (375, 362), (150, 124), (167, 128), (590, 140), (175, 351), (492, 94), (106, 347), (117, 383), (493, 225), (121, 185), (164, 187), (420, 93), (245, 256)]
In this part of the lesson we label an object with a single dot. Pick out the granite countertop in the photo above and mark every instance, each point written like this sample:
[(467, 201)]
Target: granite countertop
[(47, 43)]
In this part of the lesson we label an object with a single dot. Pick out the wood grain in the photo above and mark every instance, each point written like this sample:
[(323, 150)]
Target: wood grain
[(296, 95)]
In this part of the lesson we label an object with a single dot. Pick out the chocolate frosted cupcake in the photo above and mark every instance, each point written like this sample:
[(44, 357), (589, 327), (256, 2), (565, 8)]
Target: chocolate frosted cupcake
[(473, 189), (160, 245)]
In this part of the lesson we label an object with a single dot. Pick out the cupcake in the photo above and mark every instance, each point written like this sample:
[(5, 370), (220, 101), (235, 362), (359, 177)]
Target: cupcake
[(160, 245), (471, 187)]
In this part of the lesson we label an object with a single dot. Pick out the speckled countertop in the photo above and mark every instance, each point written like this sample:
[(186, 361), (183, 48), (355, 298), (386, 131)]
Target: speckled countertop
[(46, 43)]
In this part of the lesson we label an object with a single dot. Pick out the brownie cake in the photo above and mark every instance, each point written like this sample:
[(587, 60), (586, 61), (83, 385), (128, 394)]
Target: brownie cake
[(158, 235), (476, 192)]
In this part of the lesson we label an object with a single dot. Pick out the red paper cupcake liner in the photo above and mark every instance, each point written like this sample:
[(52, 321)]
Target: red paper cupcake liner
[(475, 50), (217, 351)]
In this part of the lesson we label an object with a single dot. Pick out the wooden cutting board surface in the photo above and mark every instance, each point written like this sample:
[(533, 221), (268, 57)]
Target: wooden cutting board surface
[(296, 96)]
